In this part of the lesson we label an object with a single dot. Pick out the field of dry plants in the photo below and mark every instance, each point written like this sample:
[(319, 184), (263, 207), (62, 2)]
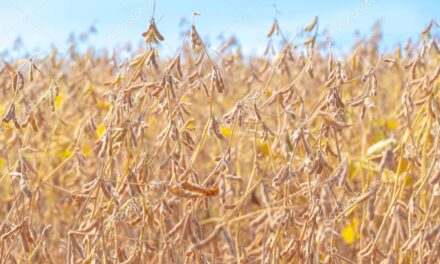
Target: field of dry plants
[(210, 156)]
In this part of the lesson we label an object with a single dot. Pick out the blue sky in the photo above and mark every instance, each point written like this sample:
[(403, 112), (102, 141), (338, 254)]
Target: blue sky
[(41, 23)]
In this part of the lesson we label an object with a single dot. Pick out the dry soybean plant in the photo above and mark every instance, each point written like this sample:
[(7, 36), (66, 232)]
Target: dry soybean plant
[(294, 156)]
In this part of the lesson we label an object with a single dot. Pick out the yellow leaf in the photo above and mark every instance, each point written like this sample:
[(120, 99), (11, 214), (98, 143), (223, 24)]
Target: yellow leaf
[(66, 154), (226, 131), (392, 124), (351, 171), (103, 105), (348, 234), (2, 162), (58, 101), (408, 181), (191, 125), (262, 145), (86, 150), (100, 130), (405, 164), (6, 125)]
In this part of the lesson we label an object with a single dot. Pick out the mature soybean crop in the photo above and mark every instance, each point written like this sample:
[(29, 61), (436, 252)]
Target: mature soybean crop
[(212, 156)]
